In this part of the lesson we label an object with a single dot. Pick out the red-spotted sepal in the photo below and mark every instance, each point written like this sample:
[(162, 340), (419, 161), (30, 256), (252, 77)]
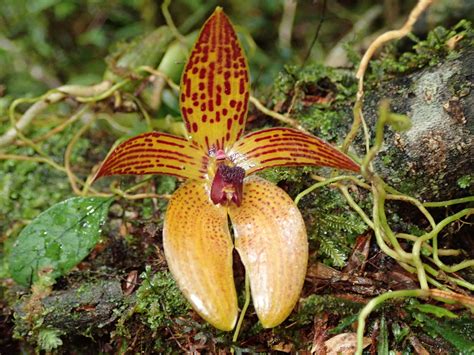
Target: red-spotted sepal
[(215, 86), (156, 153), (286, 147)]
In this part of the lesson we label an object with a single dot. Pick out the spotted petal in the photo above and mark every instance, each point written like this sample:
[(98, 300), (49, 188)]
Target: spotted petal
[(270, 237), (215, 86), (156, 153), (198, 249), (286, 147)]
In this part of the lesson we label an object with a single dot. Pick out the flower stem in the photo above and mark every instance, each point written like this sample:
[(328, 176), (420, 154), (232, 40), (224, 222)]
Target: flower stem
[(244, 310), (318, 185), (449, 202)]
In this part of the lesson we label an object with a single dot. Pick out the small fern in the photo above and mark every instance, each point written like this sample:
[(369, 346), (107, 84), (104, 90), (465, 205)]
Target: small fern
[(344, 222), (331, 249), (332, 226)]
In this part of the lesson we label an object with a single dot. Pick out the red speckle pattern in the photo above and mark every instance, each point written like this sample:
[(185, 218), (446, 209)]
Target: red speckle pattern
[(215, 86), (156, 153)]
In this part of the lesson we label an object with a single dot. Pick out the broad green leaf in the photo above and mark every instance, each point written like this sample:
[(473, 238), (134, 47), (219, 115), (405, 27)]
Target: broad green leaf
[(145, 51), (58, 239)]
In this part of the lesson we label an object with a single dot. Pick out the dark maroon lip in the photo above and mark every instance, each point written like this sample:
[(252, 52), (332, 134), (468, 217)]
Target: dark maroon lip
[(228, 179)]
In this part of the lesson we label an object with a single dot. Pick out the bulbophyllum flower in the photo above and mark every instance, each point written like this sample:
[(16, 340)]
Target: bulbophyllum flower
[(218, 163)]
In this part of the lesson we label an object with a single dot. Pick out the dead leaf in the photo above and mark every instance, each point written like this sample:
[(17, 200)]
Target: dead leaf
[(283, 347), (321, 271), (320, 331), (360, 253), (130, 283), (344, 343), (453, 41)]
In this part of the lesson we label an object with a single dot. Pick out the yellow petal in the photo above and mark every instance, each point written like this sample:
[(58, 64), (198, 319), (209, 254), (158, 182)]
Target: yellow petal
[(270, 237), (156, 153), (286, 147), (198, 249), (215, 86)]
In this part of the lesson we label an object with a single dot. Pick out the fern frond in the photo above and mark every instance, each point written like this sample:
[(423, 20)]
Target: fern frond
[(334, 252), (342, 222)]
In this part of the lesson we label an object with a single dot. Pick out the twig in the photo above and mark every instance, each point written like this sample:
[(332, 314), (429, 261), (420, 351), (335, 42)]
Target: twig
[(325, 182), (169, 21), (67, 156), (337, 56), (414, 238), (158, 73), (104, 94), (449, 202), (40, 104), (35, 159), (44, 101), (415, 202), (421, 6), (276, 115), (286, 24), (126, 194), (62, 126), (316, 33), (84, 91), (244, 310)]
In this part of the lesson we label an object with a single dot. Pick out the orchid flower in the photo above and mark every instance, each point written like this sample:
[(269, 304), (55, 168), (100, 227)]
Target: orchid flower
[(218, 160)]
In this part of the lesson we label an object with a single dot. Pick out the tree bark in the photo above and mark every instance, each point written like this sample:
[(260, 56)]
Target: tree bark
[(428, 160), (75, 310)]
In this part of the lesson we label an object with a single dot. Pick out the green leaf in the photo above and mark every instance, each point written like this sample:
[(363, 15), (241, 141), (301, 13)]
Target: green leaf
[(344, 323), (457, 333), (58, 239), (382, 346), (435, 310), (399, 333)]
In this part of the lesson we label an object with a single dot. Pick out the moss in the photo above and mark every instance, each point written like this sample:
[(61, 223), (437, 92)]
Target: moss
[(297, 177), (49, 339), (317, 304), (316, 95), (159, 300), (438, 45), (465, 181), (28, 188)]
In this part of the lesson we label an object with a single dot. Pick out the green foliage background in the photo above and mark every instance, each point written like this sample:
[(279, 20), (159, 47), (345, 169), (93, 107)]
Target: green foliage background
[(48, 43)]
